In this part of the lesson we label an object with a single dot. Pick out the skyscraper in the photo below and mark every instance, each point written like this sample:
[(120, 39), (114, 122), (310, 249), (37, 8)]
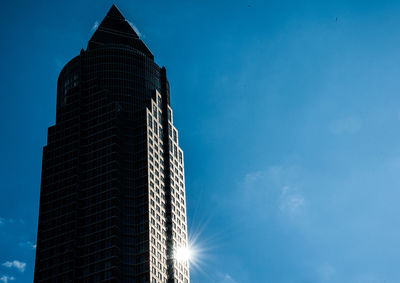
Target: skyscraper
[(112, 202)]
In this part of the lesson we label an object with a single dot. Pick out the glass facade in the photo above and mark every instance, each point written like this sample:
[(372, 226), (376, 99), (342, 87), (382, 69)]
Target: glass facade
[(112, 204)]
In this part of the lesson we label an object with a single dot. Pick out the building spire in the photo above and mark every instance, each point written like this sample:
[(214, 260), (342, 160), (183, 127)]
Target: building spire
[(115, 29), (114, 12), (115, 22)]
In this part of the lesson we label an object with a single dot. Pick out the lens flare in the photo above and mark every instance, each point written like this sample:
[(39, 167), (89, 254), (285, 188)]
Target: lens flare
[(183, 254)]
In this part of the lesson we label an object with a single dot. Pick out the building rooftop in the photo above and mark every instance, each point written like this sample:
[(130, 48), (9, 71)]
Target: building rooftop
[(115, 29)]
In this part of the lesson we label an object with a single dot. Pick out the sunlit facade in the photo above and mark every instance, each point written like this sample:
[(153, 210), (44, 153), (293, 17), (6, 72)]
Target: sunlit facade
[(168, 225), (113, 200)]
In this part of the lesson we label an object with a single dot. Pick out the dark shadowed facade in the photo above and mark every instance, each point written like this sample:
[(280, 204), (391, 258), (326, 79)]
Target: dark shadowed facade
[(112, 203)]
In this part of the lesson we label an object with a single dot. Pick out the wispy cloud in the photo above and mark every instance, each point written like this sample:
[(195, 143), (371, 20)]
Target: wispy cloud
[(349, 125), (274, 188), (326, 272), (291, 200), (28, 244), (135, 29), (6, 278), (16, 264), (225, 278), (95, 25), (11, 221)]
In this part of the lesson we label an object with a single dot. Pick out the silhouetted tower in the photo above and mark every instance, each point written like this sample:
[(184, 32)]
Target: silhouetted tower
[(112, 203)]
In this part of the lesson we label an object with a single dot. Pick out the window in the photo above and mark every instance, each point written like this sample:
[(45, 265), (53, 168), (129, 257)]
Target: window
[(169, 115), (155, 111), (159, 101), (150, 121), (175, 136), (155, 128), (161, 133)]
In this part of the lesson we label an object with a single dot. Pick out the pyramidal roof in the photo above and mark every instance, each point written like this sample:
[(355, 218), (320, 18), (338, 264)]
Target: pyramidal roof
[(114, 12), (115, 29), (115, 21)]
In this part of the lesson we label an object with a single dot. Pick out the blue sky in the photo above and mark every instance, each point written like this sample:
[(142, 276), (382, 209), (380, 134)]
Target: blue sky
[(289, 116)]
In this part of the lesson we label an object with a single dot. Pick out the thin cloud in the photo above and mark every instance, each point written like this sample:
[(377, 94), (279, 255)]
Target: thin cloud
[(291, 200), (11, 221), (28, 244), (348, 125), (135, 29), (15, 264), (275, 188), (326, 272), (225, 278), (6, 278), (95, 25)]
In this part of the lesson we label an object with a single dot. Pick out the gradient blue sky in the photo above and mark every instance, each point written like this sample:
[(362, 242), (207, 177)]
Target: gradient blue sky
[(289, 116)]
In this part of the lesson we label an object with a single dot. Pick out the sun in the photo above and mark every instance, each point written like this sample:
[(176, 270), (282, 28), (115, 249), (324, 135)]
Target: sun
[(183, 254)]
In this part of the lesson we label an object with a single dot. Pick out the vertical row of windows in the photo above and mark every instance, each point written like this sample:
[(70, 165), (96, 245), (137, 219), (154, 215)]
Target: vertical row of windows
[(157, 196), (159, 101), (169, 115), (178, 206), (157, 193)]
